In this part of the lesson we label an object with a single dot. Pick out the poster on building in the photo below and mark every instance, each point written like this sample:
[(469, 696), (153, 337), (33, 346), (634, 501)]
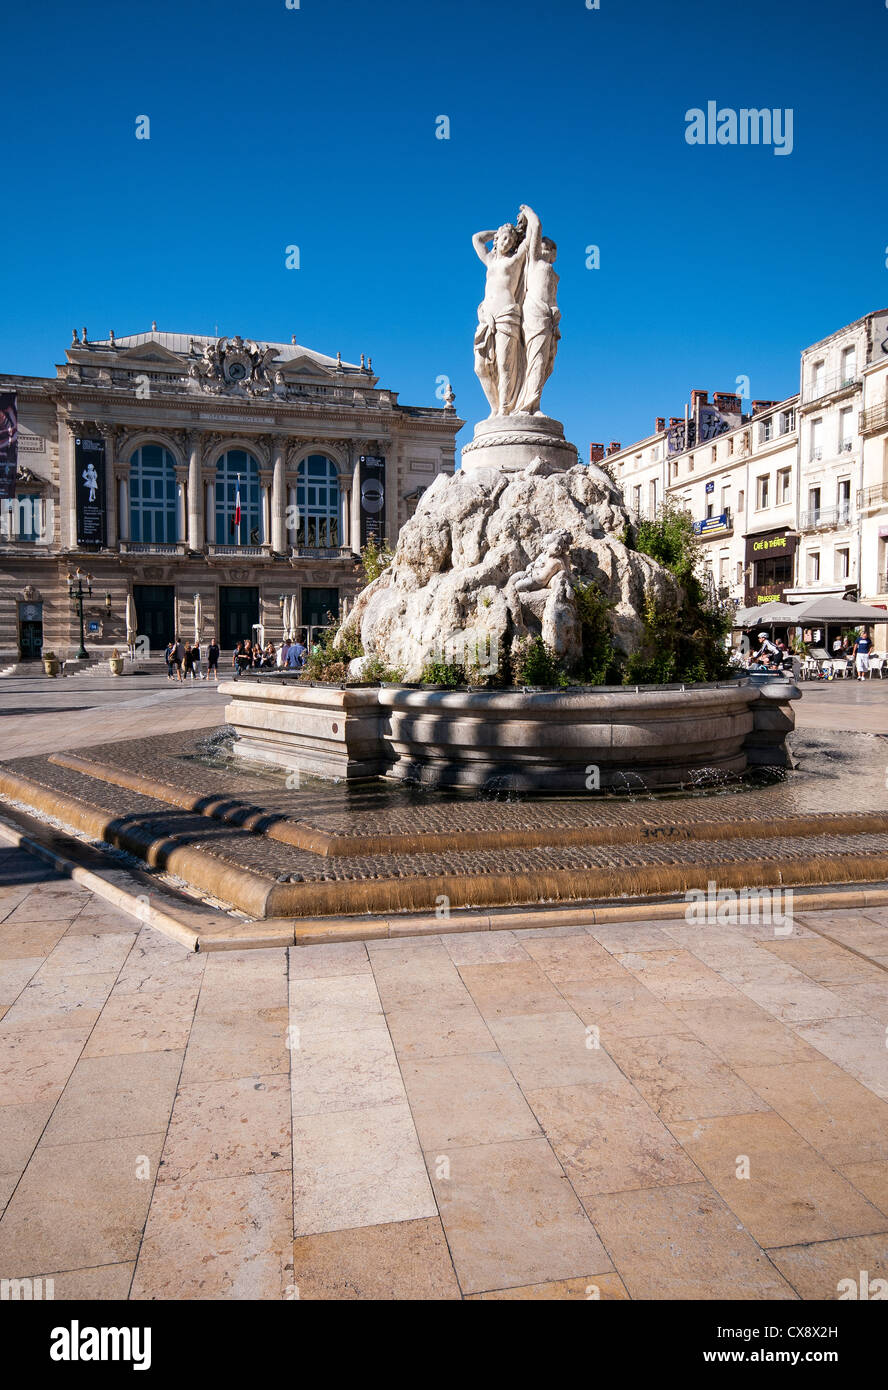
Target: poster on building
[(372, 499), (8, 443), (89, 480)]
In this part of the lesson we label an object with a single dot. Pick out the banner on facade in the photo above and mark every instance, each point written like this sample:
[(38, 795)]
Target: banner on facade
[(713, 525), (372, 499), (8, 443), (772, 543), (89, 483)]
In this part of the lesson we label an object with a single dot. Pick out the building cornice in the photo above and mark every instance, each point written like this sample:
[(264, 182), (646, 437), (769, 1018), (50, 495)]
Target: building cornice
[(283, 416)]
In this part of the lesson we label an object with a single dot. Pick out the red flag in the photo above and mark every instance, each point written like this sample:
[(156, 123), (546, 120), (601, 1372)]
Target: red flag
[(237, 507)]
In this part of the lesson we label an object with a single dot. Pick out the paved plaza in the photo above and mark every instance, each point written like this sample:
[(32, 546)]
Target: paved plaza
[(544, 1113), (653, 1109)]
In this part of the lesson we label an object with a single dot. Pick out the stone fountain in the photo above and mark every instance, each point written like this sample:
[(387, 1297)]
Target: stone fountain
[(497, 553)]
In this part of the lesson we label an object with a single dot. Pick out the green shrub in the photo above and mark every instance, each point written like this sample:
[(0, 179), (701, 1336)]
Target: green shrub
[(601, 663), (374, 559), (335, 650), (684, 633), (443, 673), (376, 670), (534, 664)]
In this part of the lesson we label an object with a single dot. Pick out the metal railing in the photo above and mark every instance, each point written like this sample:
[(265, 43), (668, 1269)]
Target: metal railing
[(828, 386), (872, 496), (817, 517), (875, 418)]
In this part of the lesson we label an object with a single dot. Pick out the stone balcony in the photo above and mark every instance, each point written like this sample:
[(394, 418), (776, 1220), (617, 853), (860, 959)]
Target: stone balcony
[(153, 548)]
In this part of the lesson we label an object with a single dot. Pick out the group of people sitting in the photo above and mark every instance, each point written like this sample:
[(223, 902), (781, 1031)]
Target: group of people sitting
[(252, 656), (776, 656)]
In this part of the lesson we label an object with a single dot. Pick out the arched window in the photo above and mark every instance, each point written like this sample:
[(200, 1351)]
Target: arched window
[(317, 503), (237, 472), (152, 487)]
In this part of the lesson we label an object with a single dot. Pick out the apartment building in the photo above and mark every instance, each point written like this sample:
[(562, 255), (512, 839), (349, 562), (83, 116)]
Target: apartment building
[(735, 474), (790, 498)]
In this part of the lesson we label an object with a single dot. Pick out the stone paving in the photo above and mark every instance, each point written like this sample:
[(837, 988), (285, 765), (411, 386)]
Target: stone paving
[(544, 1113), (38, 714)]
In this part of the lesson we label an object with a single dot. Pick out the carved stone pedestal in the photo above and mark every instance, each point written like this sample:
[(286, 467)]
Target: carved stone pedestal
[(511, 442)]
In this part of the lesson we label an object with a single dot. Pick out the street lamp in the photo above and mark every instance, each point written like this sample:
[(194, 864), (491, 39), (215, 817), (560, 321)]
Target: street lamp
[(77, 594)]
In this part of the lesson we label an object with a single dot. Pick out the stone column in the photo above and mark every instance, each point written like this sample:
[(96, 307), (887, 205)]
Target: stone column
[(264, 497), (358, 448), (111, 525), (123, 506), (291, 508), (181, 504), (211, 513), (68, 430), (195, 492), (345, 487), (279, 540)]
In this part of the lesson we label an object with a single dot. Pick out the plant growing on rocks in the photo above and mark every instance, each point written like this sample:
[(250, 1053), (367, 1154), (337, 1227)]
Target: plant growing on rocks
[(330, 662), (374, 559), (684, 631), (446, 673), (601, 662), (534, 664)]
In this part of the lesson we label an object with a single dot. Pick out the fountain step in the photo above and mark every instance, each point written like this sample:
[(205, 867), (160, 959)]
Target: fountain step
[(630, 824), (268, 879)]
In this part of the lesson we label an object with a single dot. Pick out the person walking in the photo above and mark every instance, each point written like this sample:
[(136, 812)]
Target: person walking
[(195, 661), (213, 660), (188, 662), (168, 658), (861, 654), (178, 657)]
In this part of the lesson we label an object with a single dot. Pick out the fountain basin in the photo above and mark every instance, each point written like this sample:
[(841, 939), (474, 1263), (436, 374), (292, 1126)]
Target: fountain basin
[(619, 739)]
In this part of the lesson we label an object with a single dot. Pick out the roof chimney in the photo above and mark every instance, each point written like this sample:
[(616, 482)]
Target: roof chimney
[(698, 397), (614, 447), (659, 424), (596, 453)]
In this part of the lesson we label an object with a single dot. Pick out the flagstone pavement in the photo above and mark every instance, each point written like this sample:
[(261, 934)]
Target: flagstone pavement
[(644, 1111)]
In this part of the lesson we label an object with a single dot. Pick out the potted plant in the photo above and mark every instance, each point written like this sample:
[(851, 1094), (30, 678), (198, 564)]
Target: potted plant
[(115, 661), (51, 663)]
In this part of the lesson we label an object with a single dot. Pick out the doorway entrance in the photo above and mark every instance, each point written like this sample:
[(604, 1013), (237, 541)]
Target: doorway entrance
[(317, 604), (155, 613), (31, 631), (238, 611)]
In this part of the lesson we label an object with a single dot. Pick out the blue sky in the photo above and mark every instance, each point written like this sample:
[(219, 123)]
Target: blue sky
[(316, 127)]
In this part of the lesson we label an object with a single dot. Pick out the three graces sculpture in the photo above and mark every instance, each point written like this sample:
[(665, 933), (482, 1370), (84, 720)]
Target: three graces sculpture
[(517, 335)]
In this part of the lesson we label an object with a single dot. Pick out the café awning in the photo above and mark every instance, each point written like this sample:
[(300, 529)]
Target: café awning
[(829, 608), (766, 615)]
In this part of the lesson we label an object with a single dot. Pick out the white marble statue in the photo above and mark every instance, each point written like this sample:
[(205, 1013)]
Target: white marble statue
[(540, 316), (499, 353), (517, 335)]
